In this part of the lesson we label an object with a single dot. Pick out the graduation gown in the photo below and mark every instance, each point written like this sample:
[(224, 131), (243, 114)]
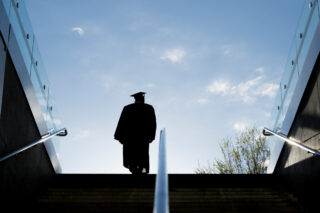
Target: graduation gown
[(135, 130)]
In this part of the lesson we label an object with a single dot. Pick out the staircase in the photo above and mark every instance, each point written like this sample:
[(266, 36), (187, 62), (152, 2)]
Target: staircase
[(187, 193)]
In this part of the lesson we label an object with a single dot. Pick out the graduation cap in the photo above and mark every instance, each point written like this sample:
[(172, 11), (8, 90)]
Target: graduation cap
[(138, 95)]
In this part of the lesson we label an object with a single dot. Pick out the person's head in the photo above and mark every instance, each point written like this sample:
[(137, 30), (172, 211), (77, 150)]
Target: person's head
[(139, 97)]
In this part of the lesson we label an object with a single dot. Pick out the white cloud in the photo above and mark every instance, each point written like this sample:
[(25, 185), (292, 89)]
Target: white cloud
[(235, 50), (260, 70), (81, 135), (202, 100), (173, 55), (41, 99), (107, 81), (245, 89), (150, 85), (240, 126), (77, 135), (268, 114), (57, 122), (219, 87), (140, 23), (227, 50), (268, 89), (246, 92), (49, 119), (79, 30)]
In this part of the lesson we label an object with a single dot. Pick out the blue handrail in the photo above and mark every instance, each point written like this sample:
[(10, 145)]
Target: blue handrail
[(161, 195)]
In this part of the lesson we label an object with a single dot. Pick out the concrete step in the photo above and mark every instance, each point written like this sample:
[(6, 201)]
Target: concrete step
[(187, 193)]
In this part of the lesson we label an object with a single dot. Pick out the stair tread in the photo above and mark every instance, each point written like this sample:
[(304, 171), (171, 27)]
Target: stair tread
[(187, 193)]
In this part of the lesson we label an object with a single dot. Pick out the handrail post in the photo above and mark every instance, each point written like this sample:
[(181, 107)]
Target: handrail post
[(161, 196)]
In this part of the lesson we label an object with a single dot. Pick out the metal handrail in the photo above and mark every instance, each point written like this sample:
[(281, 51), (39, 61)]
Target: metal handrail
[(161, 195), (45, 137), (268, 132)]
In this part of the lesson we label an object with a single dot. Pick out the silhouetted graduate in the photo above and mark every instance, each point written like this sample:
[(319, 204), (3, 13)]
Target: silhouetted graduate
[(136, 129)]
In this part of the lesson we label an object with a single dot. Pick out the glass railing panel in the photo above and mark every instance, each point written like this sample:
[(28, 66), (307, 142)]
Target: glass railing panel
[(21, 28), (55, 115), (40, 69), (290, 90), (275, 111), (274, 144), (281, 117), (308, 7), (318, 7), (43, 101), (57, 147), (53, 120), (6, 5), (51, 117), (273, 116), (309, 34), (293, 65), (39, 92), (289, 67), (20, 36), (300, 47), (29, 47), (25, 23)]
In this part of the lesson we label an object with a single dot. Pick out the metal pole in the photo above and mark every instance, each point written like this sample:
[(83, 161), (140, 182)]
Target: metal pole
[(268, 132), (61, 132)]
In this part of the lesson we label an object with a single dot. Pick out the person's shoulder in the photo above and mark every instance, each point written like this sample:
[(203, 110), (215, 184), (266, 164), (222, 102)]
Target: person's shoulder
[(148, 106), (129, 106), (138, 106)]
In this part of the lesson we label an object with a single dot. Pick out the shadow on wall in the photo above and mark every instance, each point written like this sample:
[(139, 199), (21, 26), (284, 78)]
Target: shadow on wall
[(308, 129), (300, 169), (307, 120), (24, 175), (303, 179)]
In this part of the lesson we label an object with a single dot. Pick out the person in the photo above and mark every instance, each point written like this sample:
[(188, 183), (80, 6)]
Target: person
[(135, 130)]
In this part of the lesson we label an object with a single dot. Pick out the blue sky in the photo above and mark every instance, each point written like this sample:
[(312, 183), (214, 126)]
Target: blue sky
[(209, 68)]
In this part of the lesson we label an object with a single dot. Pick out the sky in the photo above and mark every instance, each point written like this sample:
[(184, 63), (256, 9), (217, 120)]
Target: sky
[(209, 68)]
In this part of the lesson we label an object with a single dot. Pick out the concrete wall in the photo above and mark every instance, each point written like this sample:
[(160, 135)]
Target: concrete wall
[(298, 167), (23, 175)]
